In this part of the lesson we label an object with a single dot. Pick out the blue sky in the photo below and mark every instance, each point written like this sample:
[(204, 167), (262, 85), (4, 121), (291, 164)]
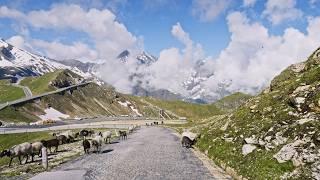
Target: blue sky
[(153, 20)]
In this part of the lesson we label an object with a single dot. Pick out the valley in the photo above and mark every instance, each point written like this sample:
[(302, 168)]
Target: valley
[(271, 135)]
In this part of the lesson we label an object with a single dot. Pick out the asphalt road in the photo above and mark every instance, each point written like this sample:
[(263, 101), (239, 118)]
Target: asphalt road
[(151, 153)]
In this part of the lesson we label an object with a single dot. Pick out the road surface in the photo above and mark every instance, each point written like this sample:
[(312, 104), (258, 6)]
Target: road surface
[(151, 153)]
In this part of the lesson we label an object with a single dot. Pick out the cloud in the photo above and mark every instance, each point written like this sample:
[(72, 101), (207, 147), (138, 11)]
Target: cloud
[(208, 10), (254, 56), (249, 3), (109, 36), (278, 11), (59, 51), (175, 66)]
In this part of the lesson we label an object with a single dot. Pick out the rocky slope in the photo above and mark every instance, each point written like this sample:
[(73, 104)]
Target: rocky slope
[(275, 134)]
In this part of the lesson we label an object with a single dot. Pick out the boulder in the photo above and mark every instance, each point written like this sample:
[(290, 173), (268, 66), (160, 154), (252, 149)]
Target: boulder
[(298, 67), (288, 151), (251, 140), (247, 149), (299, 100)]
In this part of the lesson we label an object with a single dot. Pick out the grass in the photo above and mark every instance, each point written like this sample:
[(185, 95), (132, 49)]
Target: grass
[(11, 114), (231, 102), (9, 92), (185, 109), (39, 85), (257, 165), (8, 140)]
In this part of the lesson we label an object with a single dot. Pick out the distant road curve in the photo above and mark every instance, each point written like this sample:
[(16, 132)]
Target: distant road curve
[(25, 99)]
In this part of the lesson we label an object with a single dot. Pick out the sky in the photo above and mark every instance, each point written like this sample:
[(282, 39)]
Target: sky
[(245, 42)]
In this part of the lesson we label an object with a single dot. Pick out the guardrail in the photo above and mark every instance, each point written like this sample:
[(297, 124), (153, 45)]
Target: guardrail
[(25, 99), (81, 126)]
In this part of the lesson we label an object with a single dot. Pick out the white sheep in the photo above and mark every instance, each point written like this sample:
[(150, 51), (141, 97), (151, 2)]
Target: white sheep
[(97, 142), (192, 136), (130, 129), (116, 133), (107, 136), (19, 150), (36, 149)]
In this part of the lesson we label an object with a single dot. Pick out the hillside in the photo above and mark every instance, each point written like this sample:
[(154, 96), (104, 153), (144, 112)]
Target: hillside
[(231, 102), (51, 81), (186, 109), (9, 92), (274, 134)]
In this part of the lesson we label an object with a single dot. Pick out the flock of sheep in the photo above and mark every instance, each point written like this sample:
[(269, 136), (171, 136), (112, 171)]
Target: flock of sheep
[(90, 139)]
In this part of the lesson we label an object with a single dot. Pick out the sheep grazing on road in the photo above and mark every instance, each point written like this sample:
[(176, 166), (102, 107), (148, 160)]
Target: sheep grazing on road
[(19, 150), (51, 143), (68, 134), (130, 129), (86, 146), (123, 135), (36, 149), (116, 133), (97, 142), (107, 136)]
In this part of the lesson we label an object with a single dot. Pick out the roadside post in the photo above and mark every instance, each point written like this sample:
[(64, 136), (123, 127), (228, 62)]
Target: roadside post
[(44, 154)]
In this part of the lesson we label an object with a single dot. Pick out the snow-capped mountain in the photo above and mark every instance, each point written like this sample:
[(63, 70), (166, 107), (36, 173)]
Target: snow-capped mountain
[(15, 61), (142, 58)]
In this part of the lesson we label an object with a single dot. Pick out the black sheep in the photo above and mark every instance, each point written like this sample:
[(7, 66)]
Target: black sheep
[(62, 139), (123, 134), (186, 142), (51, 143), (86, 146)]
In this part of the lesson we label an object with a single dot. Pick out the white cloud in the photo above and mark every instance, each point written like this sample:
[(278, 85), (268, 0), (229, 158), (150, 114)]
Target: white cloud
[(254, 56), (208, 10), (110, 36), (175, 66), (17, 41), (59, 51), (278, 11), (249, 3)]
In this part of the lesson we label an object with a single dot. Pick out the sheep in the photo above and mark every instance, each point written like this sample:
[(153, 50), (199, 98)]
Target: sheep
[(86, 146), (123, 134), (188, 139), (69, 134), (107, 135), (84, 133), (186, 142), (116, 133), (51, 143), (130, 129), (97, 142), (19, 150), (36, 149), (62, 139)]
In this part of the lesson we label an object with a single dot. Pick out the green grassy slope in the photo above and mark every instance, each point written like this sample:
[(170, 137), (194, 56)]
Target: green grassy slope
[(9, 92), (231, 102), (185, 109), (278, 112), (41, 84)]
